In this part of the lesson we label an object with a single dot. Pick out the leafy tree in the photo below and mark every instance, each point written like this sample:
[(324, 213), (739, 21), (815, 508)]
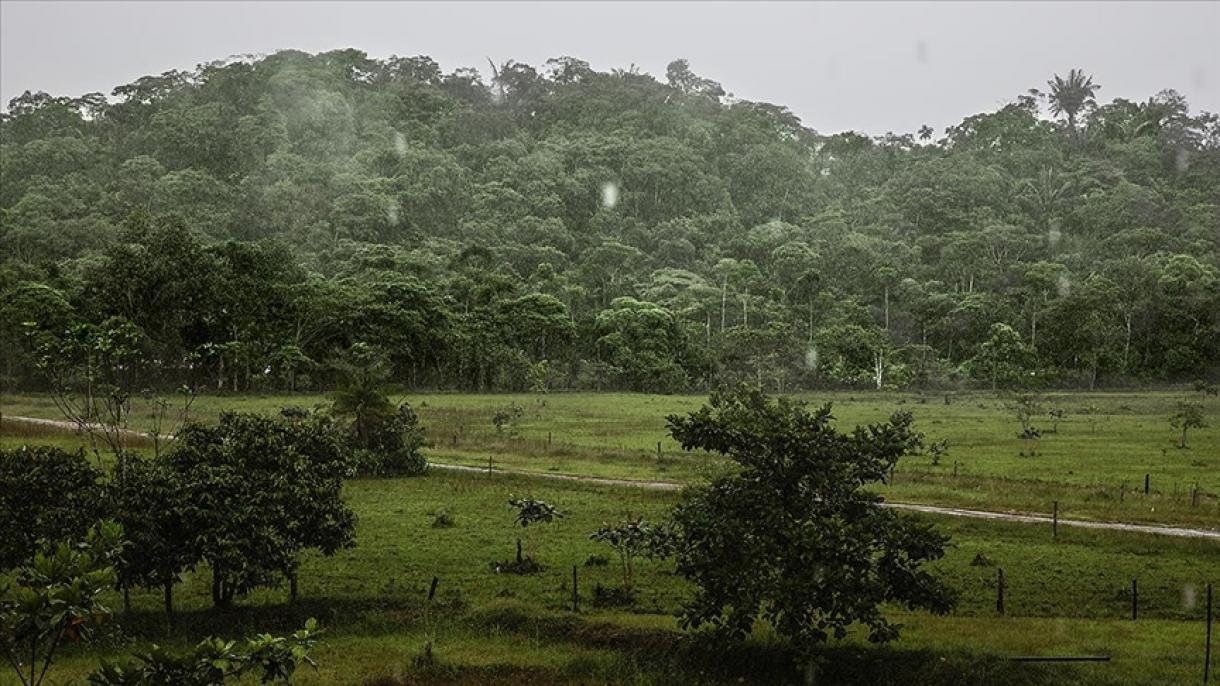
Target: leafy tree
[(532, 512), (259, 491), (792, 537), (150, 502), (54, 599), (1003, 358), (46, 494), (632, 538), (1187, 416)]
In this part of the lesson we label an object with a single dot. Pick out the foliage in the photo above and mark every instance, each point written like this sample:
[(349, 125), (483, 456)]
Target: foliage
[(635, 537), (214, 661), (55, 598), (394, 446), (258, 492), (530, 511), (562, 227), (46, 494), (792, 537), (150, 500), (1187, 416)]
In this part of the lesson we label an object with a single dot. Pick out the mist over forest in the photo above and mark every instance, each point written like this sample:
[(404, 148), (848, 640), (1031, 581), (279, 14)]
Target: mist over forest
[(556, 227)]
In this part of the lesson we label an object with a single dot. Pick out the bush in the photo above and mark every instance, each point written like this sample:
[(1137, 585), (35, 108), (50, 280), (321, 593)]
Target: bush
[(612, 596), (393, 446), (46, 494), (443, 520)]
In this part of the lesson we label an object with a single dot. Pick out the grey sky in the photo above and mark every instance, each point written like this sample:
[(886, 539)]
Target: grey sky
[(872, 67)]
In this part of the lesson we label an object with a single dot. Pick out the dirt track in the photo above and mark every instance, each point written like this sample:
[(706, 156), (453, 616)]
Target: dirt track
[(1019, 517)]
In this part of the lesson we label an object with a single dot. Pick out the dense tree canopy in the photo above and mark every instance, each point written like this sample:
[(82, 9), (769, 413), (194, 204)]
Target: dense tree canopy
[(562, 227)]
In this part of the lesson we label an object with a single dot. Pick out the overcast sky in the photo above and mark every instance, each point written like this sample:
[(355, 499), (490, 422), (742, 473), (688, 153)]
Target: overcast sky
[(871, 67)]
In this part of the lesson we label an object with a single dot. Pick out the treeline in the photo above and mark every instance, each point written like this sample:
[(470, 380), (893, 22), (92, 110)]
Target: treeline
[(567, 228)]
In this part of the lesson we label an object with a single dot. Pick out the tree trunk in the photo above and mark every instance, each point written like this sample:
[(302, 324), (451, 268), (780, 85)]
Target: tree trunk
[(169, 600)]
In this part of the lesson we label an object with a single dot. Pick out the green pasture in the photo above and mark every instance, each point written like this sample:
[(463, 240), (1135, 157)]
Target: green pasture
[(1064, 597), (1093, 464)]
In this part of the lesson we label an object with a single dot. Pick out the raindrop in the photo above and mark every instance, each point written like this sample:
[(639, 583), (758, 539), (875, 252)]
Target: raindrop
[(400, 144), (811, 357), (1064, 285), (391, 213), (1181, 160), (1189, 596), (1054, 235), (609, 194)]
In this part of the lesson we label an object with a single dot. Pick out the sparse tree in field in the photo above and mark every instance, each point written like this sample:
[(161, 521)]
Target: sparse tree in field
[(56, 598), (1204, 388), (793, 537), (92, 372), (532, 512), (938, 450), (1056, 414), (506, 417), (1187, 416), (632, 538)]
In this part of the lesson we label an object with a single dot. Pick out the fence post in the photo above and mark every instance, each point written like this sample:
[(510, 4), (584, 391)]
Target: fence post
[(548, 440), (489, 464), (658, 451), (1147, 483), (999, 588), (575, 592), (1207, 649), (432, 590), (955, 469), (1135, 599), (1055, 521), (1194, 496)]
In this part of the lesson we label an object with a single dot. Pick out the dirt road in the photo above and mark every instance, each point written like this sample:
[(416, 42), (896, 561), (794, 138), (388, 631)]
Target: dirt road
[(1019, 517)]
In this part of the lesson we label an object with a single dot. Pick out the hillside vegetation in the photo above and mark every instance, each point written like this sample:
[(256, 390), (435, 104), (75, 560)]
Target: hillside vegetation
[(561, 227)]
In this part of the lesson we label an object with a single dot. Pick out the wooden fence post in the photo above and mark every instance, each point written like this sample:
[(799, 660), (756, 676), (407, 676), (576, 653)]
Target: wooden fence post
[(1147, 484), (999, 589), (1135, 599), (1207, 648), (432, 590), (1055, 521), (548, 440), (658, 451)]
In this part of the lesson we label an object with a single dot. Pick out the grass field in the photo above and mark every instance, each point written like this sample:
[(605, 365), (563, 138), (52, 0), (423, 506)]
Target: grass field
[(1094, 464), (1067, 596), (1064, 597)]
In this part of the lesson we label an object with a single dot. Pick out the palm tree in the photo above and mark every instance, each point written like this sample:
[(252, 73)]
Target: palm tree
[(361, 397), (1071, 95)]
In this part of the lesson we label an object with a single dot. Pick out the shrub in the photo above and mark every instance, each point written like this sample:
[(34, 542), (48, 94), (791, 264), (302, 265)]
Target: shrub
[(46, 494), (443, 520)]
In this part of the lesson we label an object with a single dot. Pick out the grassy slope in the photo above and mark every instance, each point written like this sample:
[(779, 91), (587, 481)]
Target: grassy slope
[(1094, 465)]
